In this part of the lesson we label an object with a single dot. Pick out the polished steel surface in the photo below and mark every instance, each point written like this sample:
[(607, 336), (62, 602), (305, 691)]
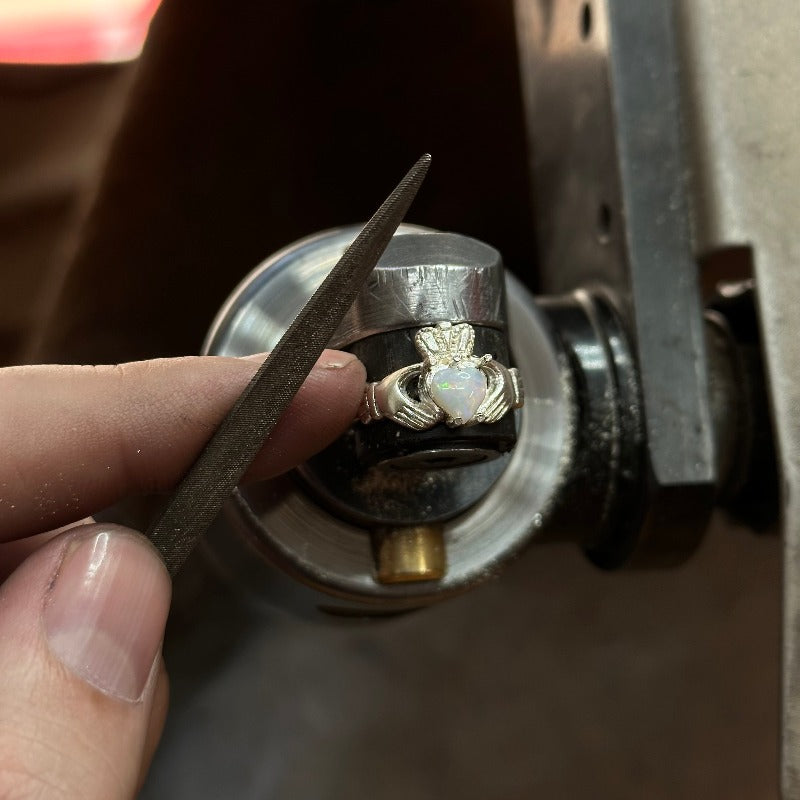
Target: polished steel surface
[(742, 73), (294, 531)]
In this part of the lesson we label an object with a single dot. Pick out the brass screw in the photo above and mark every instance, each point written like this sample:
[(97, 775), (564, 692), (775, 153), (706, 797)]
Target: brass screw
[(410, 554)]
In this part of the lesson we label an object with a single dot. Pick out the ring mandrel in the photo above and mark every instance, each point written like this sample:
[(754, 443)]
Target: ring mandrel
[(393, 517)]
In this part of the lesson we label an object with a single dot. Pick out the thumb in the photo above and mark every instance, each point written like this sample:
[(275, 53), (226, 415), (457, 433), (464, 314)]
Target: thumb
[(81, 625)]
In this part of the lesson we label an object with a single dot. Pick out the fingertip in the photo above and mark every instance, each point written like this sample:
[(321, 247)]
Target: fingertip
[(106, 609), (82, 624), (326, 405), (339, 359), (329, 359)]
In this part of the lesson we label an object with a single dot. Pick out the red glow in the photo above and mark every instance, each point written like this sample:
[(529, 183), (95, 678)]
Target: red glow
[(73, 31)]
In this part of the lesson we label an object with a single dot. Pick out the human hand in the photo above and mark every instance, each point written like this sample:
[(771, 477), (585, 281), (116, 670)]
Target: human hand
[(83, 694)]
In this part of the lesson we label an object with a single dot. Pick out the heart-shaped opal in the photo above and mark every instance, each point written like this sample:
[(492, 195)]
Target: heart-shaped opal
[(458, 391)]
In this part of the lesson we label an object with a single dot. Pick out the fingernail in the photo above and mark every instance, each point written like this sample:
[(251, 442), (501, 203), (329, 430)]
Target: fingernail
[(105, 616), (336, 359), (330, 359)]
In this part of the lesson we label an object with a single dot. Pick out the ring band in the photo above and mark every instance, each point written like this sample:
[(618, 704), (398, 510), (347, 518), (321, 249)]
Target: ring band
[(451, 385)]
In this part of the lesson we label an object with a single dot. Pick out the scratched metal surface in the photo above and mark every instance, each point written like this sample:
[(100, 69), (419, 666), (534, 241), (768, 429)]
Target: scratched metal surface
[(454, 278), (258, 311)]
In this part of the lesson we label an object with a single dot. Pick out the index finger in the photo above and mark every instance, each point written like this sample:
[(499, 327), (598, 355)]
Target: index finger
[(76, 439)]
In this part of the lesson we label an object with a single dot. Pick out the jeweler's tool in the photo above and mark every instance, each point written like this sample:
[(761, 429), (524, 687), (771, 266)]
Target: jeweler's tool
[(227, 455)]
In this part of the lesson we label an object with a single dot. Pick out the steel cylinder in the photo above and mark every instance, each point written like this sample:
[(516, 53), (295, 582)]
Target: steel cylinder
[(338, 534)]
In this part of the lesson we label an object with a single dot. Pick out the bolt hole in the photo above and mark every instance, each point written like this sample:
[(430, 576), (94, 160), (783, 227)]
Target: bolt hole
[(604, 223), (586, 21)]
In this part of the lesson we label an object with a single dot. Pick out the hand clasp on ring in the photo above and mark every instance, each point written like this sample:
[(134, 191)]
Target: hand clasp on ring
[(450, 385)]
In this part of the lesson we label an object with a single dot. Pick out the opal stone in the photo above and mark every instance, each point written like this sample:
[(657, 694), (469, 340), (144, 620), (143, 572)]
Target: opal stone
[(458, 391)]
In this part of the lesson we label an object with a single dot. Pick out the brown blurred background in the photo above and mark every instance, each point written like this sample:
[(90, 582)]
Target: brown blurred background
[(133, 198)]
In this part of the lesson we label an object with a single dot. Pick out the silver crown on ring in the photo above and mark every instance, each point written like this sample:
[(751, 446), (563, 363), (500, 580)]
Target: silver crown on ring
[(451, 385)]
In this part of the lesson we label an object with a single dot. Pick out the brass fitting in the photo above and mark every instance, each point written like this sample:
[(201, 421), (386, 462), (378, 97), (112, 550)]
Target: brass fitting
[(410, 554)]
